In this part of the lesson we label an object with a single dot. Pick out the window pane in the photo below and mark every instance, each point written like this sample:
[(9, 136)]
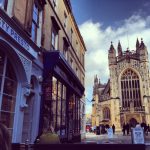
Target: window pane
[(54, 88), (35, 14), (64, 92), (7, 118), (33, 32), (35, 17), (8, 103), (10, 87), (10, 72), (53, 39)]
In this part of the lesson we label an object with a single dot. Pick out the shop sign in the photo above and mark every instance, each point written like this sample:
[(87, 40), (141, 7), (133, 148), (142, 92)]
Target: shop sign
[(13, 34)]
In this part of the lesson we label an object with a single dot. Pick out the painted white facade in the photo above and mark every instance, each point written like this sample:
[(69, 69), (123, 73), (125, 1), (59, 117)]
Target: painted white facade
[(27, 68)]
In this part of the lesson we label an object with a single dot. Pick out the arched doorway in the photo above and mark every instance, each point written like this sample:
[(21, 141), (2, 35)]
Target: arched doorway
[(133, 122)]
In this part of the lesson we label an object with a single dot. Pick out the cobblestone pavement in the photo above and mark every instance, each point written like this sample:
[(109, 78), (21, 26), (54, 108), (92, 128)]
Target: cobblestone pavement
[(118, 138)]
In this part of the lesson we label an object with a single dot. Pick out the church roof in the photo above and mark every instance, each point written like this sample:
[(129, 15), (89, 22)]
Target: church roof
[(107, 88)]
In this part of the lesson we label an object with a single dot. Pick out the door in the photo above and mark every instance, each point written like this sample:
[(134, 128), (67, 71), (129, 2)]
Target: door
[(133, 122)]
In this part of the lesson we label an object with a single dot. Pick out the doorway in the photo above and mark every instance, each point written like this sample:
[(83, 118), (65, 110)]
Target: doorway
[(133, 122)]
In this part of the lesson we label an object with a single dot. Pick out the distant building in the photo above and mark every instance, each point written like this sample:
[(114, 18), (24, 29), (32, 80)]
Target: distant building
[(41, 69), (126, 96), (88, 119)]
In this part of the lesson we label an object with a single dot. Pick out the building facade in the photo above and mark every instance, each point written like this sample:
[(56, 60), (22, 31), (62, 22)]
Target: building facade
[(126, 96), (28, 30), (63, 85)]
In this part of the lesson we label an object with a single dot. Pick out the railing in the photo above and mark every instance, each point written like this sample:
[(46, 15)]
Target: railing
[(128, 54), (135, 109)]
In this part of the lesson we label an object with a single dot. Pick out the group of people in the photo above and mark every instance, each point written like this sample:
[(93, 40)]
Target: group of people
[(145, 127), (126, 128)]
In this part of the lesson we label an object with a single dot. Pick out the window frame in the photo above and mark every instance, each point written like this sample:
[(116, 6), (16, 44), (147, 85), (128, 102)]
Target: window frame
[(130, 89), (106, 113), (54, 38), (35, 22), (65, 20)]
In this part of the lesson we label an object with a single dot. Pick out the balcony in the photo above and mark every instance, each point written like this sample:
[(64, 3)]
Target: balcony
[(135, 109)]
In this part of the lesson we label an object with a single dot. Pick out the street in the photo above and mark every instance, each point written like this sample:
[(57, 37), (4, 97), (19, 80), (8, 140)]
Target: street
[(118, 138)]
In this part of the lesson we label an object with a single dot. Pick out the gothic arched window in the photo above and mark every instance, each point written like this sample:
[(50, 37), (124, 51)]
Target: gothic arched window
[(130, 89), (106, 113)]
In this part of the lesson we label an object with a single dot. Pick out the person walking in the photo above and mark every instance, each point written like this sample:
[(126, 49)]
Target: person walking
[(124, 128), (113, 127), (5, 141), (127, 128)]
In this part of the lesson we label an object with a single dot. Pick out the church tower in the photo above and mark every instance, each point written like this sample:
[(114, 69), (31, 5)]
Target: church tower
[(126, 96)]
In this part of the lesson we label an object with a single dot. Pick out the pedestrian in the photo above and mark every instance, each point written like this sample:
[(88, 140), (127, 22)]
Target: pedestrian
[(127, 128), (147, 129), (124, 128), (5, 141), (113, 127)]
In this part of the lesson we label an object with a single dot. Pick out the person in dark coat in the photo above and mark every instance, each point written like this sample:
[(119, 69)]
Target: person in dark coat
[(113, 127), (127, 128), (124, 129)]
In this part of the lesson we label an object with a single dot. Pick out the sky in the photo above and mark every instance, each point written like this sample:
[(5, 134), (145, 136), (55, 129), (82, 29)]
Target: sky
[(103, 21)]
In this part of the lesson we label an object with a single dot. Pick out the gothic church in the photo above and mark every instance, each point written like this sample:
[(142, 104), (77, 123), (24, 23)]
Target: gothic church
[(126, 96)]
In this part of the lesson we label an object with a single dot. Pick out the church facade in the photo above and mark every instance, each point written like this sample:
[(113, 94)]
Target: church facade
[(125, 98)]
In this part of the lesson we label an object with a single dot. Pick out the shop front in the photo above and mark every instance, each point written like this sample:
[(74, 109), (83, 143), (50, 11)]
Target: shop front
[(19, 81), (62, 91)]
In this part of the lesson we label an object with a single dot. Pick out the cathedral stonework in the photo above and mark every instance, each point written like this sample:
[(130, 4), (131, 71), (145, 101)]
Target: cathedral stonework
[(126, 96)]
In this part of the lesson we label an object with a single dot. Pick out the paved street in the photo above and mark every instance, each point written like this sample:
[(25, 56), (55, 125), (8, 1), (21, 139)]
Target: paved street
[(118, 138)]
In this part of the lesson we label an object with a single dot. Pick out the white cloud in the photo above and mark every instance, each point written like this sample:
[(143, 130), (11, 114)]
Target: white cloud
[(98, 40)]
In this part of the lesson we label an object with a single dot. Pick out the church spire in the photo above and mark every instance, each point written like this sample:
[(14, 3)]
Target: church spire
[(112, 54), (96, 79), (137, 43), (142, 45), (112, 49), (119, 49)]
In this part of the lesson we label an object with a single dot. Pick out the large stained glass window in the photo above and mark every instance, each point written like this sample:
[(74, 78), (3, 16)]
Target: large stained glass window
[(130, 89)]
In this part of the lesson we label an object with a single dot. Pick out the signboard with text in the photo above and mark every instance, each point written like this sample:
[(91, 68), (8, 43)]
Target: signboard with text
[(137, 135), (15, 36)]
